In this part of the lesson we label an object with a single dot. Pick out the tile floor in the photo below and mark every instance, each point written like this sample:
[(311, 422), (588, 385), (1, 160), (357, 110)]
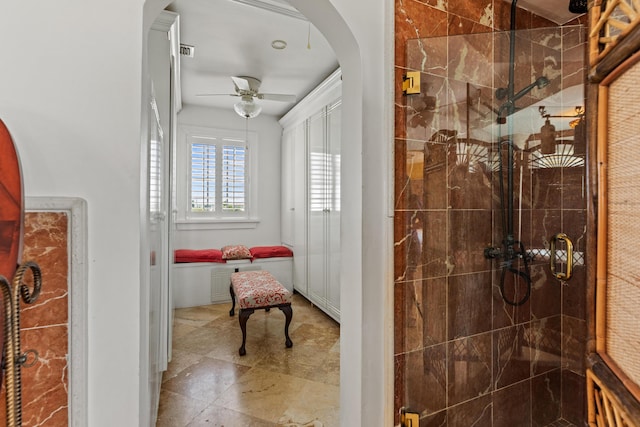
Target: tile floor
[(209, 384)]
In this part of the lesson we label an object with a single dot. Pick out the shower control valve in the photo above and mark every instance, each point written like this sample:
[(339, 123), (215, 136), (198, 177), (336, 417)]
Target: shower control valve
[(492, 253)]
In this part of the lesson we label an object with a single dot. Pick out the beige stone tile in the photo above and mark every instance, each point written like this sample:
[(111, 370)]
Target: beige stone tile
[(199, 341), (262, 394), (315, 402), (217, 416), (180, 360), (206, 380), (256, 389), (177, 410), (182, 329)]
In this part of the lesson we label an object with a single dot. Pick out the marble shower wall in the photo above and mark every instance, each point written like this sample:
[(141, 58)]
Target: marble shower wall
[(463, 356), (44, 324)]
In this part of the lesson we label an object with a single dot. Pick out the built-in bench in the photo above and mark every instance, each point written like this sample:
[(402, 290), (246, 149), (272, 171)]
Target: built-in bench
[(255, 290), (201, 276)]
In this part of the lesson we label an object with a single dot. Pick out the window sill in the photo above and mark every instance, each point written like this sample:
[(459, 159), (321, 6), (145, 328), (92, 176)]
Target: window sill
[(217, 224)]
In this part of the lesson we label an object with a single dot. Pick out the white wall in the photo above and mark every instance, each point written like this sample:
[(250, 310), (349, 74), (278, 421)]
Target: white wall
[(267, 231), (71, 96), (70, 86)]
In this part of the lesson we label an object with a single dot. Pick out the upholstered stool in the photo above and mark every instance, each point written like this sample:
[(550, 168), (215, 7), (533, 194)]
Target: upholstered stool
[(259, 290)]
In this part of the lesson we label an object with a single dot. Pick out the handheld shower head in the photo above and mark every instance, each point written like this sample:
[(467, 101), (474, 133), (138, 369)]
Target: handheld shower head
[(540, 82)]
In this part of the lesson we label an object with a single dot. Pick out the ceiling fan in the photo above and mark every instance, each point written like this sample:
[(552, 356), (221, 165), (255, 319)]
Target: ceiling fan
[(247, 88)]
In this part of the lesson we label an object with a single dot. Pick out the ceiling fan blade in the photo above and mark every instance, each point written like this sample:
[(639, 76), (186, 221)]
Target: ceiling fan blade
[(241, 83), (217, 94), (276, 97)]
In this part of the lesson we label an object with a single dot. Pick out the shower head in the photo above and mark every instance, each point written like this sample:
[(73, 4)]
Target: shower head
[(578, 6)]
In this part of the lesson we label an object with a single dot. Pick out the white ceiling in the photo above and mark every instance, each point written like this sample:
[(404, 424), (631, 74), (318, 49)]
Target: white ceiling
[(234, 39), (554, 10)]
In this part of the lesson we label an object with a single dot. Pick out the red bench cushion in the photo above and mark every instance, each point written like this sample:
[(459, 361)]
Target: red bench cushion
[(198, 255), (270, 251)]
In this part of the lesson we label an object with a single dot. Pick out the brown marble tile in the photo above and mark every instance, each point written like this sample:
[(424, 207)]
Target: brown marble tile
[(435, 259), (544, 336), (511, 356), (45, 242), (423, 314), (550, 37), (435, 194), (574, 297), (438, 419), (469, 187), (425, 112), (547, 189), (428, 55), (546, 62), (477, 11), (470, 58), (460, 25), (415, 20), (545, 293), (469, 235), (469, 368), (475, 412), (467, 314), (44, 323), (573, 66), (514, 288), (546, 223), (512, 405), (573, 344), (424, 376), (545, 398), (574, 189), (574, 404)]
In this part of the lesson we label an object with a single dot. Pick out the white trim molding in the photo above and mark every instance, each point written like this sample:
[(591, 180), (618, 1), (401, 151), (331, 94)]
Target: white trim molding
[(76, 210)]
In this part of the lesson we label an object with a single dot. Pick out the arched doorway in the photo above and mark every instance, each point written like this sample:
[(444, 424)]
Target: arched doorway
[(328, 20)]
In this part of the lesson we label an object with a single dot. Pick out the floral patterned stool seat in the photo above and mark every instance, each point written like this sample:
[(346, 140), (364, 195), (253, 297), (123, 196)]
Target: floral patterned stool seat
[(259, 290)]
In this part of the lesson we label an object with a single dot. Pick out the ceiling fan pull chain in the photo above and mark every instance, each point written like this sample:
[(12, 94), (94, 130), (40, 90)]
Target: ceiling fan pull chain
[(309, 37)]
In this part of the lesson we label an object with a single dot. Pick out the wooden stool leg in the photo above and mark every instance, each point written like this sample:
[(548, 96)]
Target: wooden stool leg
[(243, 317), (288, 314), (233, 301)]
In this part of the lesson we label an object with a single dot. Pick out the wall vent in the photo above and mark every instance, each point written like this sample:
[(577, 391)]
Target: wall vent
[(187, 50)]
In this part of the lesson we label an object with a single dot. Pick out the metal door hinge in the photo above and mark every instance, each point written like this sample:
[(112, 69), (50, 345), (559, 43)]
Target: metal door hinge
[(409, 419), (411, 83)]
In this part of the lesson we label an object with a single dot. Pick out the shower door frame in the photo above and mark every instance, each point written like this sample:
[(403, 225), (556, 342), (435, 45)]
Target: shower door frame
[(611, 54)]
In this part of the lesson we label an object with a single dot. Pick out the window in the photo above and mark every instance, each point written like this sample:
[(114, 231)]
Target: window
[(216, 175)]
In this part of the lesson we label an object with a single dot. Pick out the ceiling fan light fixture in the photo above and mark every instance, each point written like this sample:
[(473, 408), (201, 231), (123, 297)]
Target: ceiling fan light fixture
[(247, 108)]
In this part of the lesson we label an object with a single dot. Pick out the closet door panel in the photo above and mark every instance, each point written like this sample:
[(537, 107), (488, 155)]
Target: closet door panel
[(287, 213), (334, 114), (299, 167), (317, 190)]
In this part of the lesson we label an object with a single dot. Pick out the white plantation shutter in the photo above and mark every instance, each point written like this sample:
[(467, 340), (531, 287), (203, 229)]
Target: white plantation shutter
[(218, 176), (203, 177), (233, 178)]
